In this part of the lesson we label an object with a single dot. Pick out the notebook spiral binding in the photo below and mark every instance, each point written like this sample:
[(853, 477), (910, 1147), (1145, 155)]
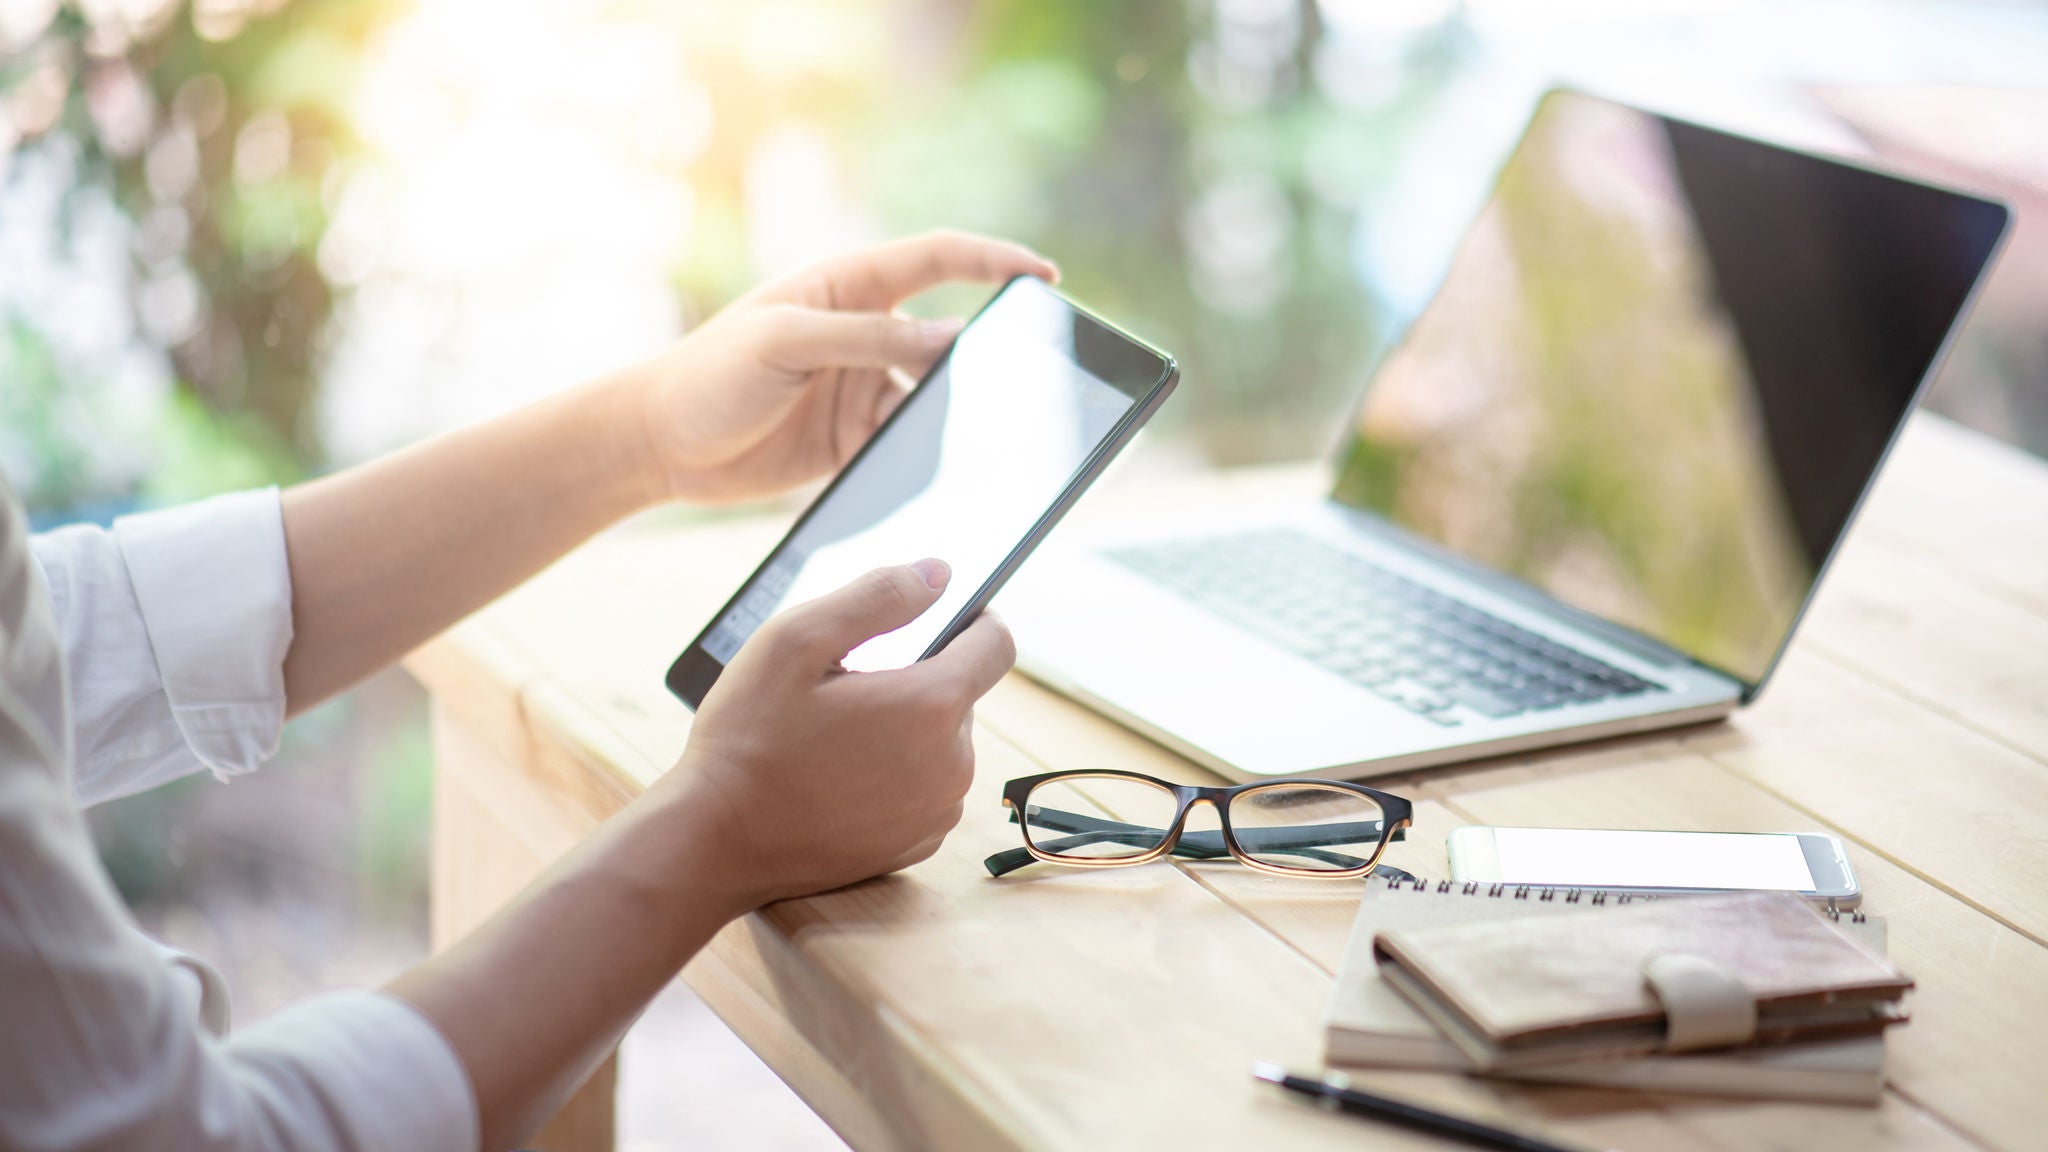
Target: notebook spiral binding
[(1835, 912), (1589, 896)]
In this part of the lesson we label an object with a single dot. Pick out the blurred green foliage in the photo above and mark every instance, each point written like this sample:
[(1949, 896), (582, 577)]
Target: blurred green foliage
[(202, 452), (33, 407), (395, 805), (1225, 230), (1221, 225), (1077, 127), (238, 212)]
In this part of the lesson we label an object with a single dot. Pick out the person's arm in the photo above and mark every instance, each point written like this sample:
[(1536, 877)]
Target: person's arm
[(105, 1044), (778, 389), (386, 554), (800, 776)]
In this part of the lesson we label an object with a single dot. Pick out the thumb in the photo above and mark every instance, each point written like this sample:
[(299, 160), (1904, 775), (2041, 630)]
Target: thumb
[(881, 601), (802, 340), (976, 658)]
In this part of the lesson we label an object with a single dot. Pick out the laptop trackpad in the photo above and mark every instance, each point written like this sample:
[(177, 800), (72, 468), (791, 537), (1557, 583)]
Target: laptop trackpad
[(1182, 671)]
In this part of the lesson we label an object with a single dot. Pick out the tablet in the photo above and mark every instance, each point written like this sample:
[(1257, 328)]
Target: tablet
[(977, 464)]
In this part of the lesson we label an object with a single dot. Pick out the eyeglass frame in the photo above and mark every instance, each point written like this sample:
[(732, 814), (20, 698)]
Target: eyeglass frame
[(1397, 816)]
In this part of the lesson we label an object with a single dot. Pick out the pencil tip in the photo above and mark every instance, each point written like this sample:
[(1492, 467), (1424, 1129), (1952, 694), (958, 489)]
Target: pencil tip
[(1272, 1073)]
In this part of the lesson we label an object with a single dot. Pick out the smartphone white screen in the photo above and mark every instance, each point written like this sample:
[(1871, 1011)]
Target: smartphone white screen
[(1578, 858), (976, 456)]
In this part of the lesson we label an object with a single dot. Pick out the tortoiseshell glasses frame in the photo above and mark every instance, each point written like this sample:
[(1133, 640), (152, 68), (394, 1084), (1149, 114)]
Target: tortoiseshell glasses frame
[(1253, 845)]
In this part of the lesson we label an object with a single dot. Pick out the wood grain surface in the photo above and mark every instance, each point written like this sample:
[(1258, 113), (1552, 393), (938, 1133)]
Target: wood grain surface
[(1123, 1008)]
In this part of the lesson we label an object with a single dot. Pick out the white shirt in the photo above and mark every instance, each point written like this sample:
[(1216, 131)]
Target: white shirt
[(129, 658)]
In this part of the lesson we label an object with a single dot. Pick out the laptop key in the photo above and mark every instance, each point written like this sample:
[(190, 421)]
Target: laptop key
[(1413, 696), (1485, 703)]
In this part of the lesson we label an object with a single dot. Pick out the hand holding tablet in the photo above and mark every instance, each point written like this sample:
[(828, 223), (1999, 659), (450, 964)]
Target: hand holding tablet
[(974, 468)]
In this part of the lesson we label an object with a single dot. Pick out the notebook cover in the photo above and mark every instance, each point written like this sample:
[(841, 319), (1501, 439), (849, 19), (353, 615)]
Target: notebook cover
[(1571, 987), (1370, 1023)]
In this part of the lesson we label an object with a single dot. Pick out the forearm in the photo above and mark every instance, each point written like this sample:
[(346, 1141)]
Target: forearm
[(533, 1000), (386, 555)]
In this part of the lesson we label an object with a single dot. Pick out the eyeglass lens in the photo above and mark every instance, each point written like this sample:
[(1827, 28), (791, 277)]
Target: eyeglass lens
[(1307, 827), (1086, 817), (1302, 827)]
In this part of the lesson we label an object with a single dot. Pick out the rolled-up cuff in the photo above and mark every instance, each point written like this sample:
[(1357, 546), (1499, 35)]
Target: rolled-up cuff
[(215, 590), (371, 1064)]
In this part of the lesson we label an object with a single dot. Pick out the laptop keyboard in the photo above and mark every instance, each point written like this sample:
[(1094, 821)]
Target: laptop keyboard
[(1434, 655)]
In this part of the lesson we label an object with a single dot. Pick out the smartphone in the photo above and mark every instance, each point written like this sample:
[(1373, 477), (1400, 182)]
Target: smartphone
[(1034, 399), (1812, 864)]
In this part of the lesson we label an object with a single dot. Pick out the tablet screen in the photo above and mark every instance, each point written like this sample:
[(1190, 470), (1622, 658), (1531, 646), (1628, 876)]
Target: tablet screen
[(963, 471)]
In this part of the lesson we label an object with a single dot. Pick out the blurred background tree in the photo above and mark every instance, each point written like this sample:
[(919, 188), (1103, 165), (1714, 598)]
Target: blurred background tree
[(210, 134), (250, 239)]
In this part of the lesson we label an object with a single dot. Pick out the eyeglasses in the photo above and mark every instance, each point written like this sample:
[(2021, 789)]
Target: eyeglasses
[(1109, 819)]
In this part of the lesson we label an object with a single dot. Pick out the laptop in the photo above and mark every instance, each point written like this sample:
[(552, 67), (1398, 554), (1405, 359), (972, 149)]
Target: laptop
[(1590, 492)]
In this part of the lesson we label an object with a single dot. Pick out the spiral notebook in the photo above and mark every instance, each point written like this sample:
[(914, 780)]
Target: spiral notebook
[(1370, 1023)]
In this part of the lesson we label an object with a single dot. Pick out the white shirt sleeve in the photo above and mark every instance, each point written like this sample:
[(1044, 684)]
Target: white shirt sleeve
[(174, 627), (103, 1042)]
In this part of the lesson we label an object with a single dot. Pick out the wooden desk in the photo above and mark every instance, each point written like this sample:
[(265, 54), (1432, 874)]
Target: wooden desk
[(1122, 1008)]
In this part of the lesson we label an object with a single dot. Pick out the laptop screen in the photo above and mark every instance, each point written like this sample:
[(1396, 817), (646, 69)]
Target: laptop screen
[(1662, 369)]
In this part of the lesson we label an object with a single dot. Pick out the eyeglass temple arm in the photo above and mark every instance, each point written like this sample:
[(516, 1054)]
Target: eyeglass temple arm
[(1294, 836), (1207, 845), (1005, 862)]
